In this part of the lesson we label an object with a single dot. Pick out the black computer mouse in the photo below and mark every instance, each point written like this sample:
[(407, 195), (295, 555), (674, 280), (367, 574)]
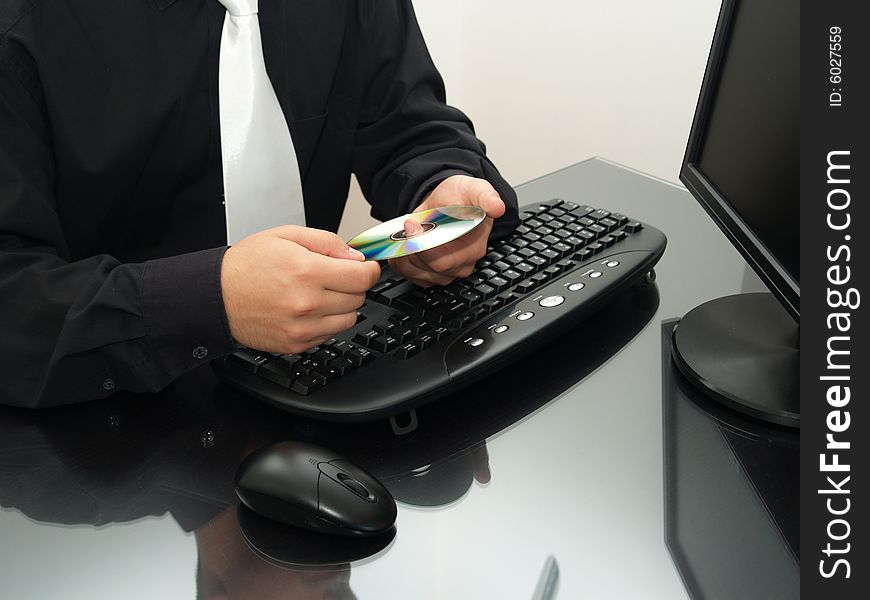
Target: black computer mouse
[(311, 487)]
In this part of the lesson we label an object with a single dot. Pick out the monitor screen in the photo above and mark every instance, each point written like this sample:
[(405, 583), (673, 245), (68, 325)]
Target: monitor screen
[(743, 159)]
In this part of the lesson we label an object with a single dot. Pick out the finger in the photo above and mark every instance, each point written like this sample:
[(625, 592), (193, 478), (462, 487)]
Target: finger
[(345, 275), (423, 277), (412, 227), (318, 241), (326, 327), (480, 192), (339, 303)]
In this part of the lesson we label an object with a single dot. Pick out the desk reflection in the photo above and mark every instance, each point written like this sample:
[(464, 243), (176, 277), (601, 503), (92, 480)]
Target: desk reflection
[(133, 456)]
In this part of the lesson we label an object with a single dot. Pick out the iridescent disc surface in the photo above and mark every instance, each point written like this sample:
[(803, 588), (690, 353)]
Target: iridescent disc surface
[(440, 225)]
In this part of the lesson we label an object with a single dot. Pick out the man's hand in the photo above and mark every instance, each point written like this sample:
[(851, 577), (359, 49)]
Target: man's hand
[(290, 288), (441, 265)]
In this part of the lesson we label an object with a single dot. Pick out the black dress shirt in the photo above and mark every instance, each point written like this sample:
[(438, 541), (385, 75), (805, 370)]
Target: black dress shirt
[(112, 224)]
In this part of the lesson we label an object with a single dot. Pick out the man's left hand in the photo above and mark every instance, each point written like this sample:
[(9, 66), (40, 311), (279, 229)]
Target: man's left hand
[(456, 259)]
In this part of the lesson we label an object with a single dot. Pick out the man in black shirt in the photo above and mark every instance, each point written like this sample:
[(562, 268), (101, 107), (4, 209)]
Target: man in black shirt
[(114, 273)]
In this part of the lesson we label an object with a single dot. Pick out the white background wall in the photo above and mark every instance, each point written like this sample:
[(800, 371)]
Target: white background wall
[(551, 82)]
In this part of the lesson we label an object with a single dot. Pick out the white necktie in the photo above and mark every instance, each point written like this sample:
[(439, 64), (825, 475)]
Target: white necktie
[(262, 186)]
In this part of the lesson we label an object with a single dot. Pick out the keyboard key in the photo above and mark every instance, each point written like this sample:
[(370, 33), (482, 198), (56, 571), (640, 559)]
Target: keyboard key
[(552, 270), (565, 264), (619, 218), (248, 360), (507, 297), (523, 267), (527, 286), (520, 243), (471, 297), (633, 226), (366, 338), (394, 292), (343, 365), (479, 312), (597, 229), (609, 223), (440, 332), (306, 384), (538, 262), (550, 254), (400, 319), (501, 266), (360, 356), (540, 278), (606, 240), (486, 290), (278, 372), (574, 242), (595, 247), (512, 276), (307, 365), (499, 283), (562, 248), (407, 351), (583, 254), (550, 239), (326, 374), (493, 303), (383, 326), (513, 259), (619, 235), (544, 230), (325, 356)]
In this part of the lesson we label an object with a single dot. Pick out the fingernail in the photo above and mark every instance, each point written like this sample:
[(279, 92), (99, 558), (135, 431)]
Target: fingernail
[(355, 253)]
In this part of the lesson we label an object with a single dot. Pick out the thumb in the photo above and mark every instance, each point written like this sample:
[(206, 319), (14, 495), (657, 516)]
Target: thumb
[(318, 241), (481, 193)]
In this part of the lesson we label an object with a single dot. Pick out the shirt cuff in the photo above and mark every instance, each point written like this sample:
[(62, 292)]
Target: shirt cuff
[(185, 318)]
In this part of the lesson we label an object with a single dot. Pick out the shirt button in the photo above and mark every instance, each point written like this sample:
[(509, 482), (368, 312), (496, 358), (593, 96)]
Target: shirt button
[(108, 384), (200, 352)]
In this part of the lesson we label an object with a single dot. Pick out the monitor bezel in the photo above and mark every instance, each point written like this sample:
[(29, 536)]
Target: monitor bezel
[(777, 279)]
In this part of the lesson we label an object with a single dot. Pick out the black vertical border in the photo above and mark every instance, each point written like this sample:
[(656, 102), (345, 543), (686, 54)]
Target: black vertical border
[(824, 129)]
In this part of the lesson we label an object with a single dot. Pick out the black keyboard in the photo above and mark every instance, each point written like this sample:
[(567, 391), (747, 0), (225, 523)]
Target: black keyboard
[(412, 345)]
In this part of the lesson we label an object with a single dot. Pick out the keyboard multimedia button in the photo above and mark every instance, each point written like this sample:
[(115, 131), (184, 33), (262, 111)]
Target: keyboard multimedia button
[(551, 301), (612, 263), (574, 287), (501, 328), (595, 274), (474, 342), (525, 316)]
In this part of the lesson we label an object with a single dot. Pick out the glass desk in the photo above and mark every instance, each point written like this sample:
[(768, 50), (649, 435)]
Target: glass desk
[(562, 455)]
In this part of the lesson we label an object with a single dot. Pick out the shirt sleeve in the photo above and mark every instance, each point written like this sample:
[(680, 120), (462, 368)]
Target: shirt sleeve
[(408, 138), (77, 330)]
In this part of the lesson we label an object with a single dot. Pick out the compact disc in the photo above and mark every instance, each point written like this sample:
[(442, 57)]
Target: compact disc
[(439, 226)]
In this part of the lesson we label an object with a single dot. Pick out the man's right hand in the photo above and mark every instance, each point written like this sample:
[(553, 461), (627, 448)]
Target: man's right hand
[(290, 288)]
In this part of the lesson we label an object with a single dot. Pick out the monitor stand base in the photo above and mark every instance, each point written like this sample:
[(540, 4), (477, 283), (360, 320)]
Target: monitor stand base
[(743, 351)]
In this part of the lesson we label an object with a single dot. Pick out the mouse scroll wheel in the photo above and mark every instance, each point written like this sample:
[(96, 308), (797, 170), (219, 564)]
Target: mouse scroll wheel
[(353, 485)]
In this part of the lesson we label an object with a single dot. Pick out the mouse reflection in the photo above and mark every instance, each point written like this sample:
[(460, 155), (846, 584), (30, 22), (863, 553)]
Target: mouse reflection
[(229, 570)]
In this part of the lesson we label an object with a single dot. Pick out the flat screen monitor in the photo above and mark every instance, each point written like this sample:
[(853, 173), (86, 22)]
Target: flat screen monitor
[(742, 161), (742, 164)]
